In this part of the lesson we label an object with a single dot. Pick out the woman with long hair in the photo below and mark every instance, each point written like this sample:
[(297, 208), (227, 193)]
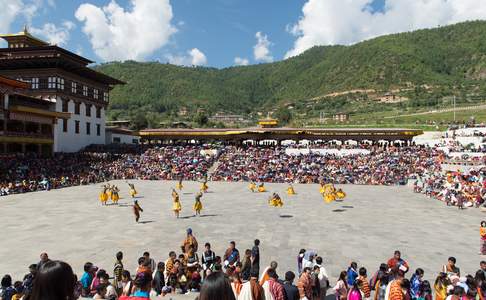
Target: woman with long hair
[(216, 287), (54, 281), (341, 288), (143, 285), (440, 286)]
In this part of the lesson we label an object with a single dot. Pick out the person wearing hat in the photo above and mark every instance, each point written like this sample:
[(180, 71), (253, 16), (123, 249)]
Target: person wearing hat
[(189, 241)]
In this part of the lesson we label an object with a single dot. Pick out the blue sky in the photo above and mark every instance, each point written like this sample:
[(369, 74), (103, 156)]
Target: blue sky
[(215, 32)]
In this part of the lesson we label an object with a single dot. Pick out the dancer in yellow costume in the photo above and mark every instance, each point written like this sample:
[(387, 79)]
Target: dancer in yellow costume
[(261, 188), (275, 200), (103, 195), (179, 185), (204, 185), (252, 186), (198, 204), (340, 194), (132, 191), (108, 192), (176, 205), (290, 190), (114, 194)]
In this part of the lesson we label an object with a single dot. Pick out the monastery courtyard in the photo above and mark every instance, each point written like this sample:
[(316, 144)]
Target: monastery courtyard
[(70, 224)]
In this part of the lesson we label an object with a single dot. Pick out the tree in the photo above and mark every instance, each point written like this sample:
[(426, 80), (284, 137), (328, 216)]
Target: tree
[(284, 115), (201, 119)]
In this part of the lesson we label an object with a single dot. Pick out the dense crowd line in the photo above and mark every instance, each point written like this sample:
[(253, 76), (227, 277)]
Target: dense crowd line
[(230, 276), (379, 166)]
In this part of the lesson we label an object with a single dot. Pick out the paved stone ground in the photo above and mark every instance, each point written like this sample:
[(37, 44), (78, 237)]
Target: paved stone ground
[(70, 224)]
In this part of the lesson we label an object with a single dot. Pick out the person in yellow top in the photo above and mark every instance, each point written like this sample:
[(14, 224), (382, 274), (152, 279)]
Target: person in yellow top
[(198, 204), (321, 188), (176, 205), (114, 194), (290, 190), (108, 192), (275, 200), (132, 191), (103, 195), (482, 233), (440, 286), (252, 186), (179, 185), (261, 188), (340, 194)]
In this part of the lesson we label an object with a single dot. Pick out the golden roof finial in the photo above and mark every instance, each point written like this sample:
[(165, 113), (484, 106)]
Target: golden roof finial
[(26, 31)]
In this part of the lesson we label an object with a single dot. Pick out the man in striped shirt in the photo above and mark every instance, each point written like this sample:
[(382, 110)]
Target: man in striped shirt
[(364, 286)]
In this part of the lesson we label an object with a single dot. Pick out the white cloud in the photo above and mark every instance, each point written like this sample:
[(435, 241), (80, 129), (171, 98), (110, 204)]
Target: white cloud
[(328, 22), (194, 57), (12, 9), (54, 34), (241, 61), (261, 50), (116, 33)]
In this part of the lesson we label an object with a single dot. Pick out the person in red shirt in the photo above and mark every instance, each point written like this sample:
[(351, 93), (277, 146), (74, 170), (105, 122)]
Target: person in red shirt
[(396, 261)]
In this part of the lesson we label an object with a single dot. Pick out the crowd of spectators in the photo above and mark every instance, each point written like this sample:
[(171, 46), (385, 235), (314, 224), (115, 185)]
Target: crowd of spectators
[(230, 276)]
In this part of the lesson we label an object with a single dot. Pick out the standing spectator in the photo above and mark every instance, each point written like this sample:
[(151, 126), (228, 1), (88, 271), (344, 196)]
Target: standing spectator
[(87, 279), (208, 259), (264, 277), (305, 284), (232, 255), (190, 240), (117, 272), (18, 291), (396, 261), (127, 283), (300, 259), (29, 279), (352, 274), (425, 291), (440, 286), (255, 256), (451, 269), (415, 283), (291, 291), (252, 290), (6, 288), (364, 285), (316, 287), (44, 258), (246, 265), (341, 287), (54, 280), (159, 280), (323, 278), (216, 287), (273, 289), (147, 257), (143, 283), (111, 292), (355, 292)]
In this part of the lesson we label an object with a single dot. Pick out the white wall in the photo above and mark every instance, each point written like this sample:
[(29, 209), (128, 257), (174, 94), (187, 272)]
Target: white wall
[(70, 141), (124, 138)]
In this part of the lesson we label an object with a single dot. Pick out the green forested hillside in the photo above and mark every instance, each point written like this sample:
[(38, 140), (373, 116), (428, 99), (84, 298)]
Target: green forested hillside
[(422, 66)]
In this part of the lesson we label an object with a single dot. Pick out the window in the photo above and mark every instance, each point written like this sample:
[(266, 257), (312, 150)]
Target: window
[(51, 82), (88, 128), (64, 125), (134, 141), (85, 91), (88, 110), (76, 127), (65, 105), (116, 140), (77, 108), (35, 83), (98, 112), (74, 87), (98, 129), (106, 97), (60, 83), (95, 93)]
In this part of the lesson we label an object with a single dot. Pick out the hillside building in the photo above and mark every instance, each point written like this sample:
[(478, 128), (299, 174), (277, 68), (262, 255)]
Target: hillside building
[(64, 79)]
